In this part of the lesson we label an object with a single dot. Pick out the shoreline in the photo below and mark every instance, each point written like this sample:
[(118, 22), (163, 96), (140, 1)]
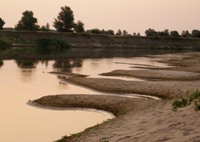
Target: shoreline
[(142, 119)]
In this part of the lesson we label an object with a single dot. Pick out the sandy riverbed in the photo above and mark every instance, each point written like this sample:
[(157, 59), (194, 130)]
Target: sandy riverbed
[(141, 119)]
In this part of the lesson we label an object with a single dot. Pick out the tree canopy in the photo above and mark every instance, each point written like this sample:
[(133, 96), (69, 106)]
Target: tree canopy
[(79, 27), (65, 20), (27, 22), (196, 33), (1, 24)]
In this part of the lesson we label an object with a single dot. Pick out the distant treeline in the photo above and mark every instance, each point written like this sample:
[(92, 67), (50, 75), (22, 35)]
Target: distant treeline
[(175, 34), (65, 23)]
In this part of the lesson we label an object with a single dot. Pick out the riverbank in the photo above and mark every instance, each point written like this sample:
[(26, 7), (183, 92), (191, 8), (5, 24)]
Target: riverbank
[(146, 120), (27, 38)]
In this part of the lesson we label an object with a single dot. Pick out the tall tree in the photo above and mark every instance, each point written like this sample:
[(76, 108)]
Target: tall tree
[(79, 27), (27, 22), (65, 20), (1, 24)]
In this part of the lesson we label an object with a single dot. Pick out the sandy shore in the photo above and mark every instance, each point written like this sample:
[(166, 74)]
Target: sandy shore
[(141, 119)]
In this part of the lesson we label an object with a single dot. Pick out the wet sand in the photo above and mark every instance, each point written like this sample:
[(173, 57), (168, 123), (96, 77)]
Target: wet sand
[(141, 119)]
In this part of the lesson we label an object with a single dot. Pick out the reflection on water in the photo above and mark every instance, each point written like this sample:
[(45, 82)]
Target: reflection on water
[(27, 80), (26, 63), (22, 123), (1, 63), (66, 65)]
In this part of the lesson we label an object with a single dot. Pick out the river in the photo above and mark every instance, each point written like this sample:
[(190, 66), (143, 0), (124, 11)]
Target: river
[(24, 80)]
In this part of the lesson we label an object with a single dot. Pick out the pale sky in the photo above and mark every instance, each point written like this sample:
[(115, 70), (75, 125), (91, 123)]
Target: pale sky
[(130, 15)]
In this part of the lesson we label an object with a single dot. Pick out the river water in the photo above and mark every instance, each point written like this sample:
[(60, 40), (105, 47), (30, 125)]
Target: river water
[(21, 81)]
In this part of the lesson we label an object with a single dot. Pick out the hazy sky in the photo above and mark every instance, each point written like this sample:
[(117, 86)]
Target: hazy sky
[(131, 15)]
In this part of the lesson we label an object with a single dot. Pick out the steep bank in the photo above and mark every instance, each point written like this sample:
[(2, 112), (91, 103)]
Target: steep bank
[(88, 40)]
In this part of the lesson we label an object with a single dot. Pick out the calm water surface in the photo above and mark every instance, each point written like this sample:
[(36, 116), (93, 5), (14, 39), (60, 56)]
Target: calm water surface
[(27, 80)]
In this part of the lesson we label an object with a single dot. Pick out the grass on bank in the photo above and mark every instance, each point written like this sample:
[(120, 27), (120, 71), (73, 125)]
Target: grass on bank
[(194, 98), (5, 43)]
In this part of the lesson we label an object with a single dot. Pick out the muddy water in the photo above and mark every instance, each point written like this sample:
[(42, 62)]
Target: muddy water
[(21, 81)]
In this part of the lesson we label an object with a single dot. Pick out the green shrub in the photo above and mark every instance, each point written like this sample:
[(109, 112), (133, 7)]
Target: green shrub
[(193, 98), (180, 103)]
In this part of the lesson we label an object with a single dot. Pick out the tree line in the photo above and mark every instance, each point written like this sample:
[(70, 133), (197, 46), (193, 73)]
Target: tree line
[(65, 23), (175, 34)]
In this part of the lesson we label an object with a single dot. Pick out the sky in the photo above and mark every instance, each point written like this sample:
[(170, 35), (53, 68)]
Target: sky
[(131, 15)]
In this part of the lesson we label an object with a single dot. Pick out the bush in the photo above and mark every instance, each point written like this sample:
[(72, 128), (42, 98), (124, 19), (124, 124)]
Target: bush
[(193, 98), (180, 103)]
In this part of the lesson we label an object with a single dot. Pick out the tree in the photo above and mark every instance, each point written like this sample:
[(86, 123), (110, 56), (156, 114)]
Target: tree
[(110, 32), (119, 32), (27, 22), (195, 33), (151, 32), (65, 20), (94, 31), (79, 27), (185, 33), (138, 34), (174, 34), (45, 28), (107, 32), (164, 33), (1, 24), (125, 33)]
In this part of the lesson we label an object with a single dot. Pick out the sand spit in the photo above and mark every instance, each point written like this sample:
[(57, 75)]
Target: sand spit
[(162, 89), (114, 104), (142, 120), (156, 74)]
